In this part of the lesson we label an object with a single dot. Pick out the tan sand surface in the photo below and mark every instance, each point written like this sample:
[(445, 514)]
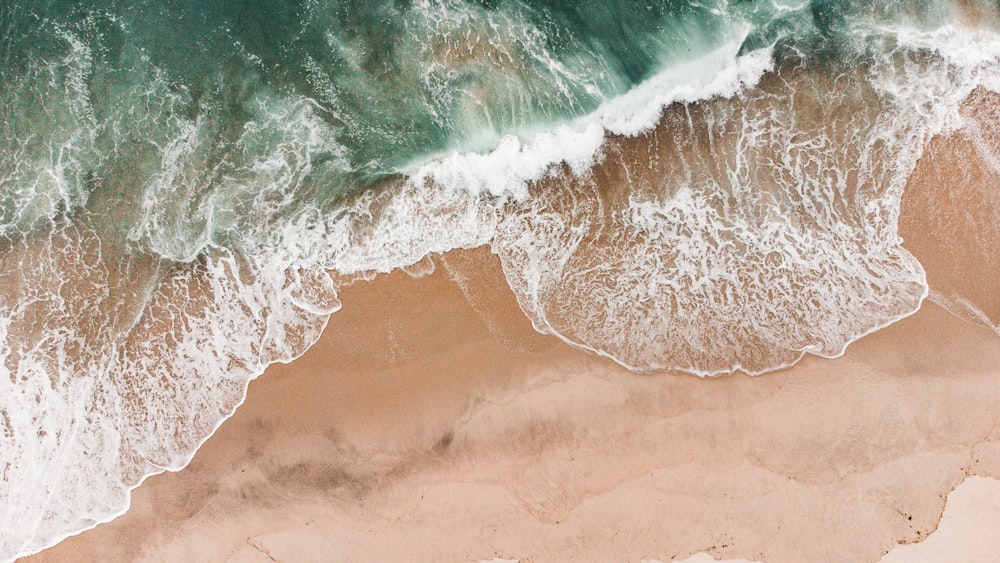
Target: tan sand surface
[(423, 428), (704, 558), (968, 529), (950, 217), (431, 423)]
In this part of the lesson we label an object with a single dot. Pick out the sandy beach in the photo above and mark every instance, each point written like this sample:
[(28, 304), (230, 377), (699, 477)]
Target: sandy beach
[(432, 423)]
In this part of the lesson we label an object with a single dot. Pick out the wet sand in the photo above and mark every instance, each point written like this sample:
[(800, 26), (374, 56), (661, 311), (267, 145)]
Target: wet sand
[(432, 423), (423, 428)]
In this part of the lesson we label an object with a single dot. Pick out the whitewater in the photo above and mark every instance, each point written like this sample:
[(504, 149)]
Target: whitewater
[(675, 186)]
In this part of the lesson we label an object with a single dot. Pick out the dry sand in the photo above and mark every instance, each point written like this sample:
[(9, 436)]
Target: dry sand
[(421, 429), (431, 423), (968, 529)]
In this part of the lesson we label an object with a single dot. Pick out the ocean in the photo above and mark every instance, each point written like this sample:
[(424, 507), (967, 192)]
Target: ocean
[(700, 187)]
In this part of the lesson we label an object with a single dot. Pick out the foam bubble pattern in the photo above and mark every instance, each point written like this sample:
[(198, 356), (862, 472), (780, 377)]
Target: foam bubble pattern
[(734, 218)]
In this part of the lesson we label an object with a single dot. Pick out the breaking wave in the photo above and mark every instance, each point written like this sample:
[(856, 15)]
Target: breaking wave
[(676, 186)]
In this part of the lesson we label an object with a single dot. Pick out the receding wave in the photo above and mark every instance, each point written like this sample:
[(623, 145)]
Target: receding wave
[(676, 186)]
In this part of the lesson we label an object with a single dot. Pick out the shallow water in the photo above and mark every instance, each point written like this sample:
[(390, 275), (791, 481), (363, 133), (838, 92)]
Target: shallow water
[(677, 186)]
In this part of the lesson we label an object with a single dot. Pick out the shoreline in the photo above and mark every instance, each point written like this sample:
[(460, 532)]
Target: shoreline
[(394, 400), (389, 423), (410, 351)]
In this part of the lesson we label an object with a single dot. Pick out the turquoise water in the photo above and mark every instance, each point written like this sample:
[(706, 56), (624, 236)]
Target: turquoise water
[(113, 84), (696, 186)]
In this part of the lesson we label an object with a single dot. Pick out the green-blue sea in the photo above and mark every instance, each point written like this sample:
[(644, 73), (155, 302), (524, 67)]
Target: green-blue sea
[(704, 187)]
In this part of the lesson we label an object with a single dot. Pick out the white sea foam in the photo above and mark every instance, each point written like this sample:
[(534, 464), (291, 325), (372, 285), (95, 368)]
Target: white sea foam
[(514, 163), (791, 249), (934, 87), (115, 369), (721, 72), (42, 167), (970, 49), (701, 270)]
